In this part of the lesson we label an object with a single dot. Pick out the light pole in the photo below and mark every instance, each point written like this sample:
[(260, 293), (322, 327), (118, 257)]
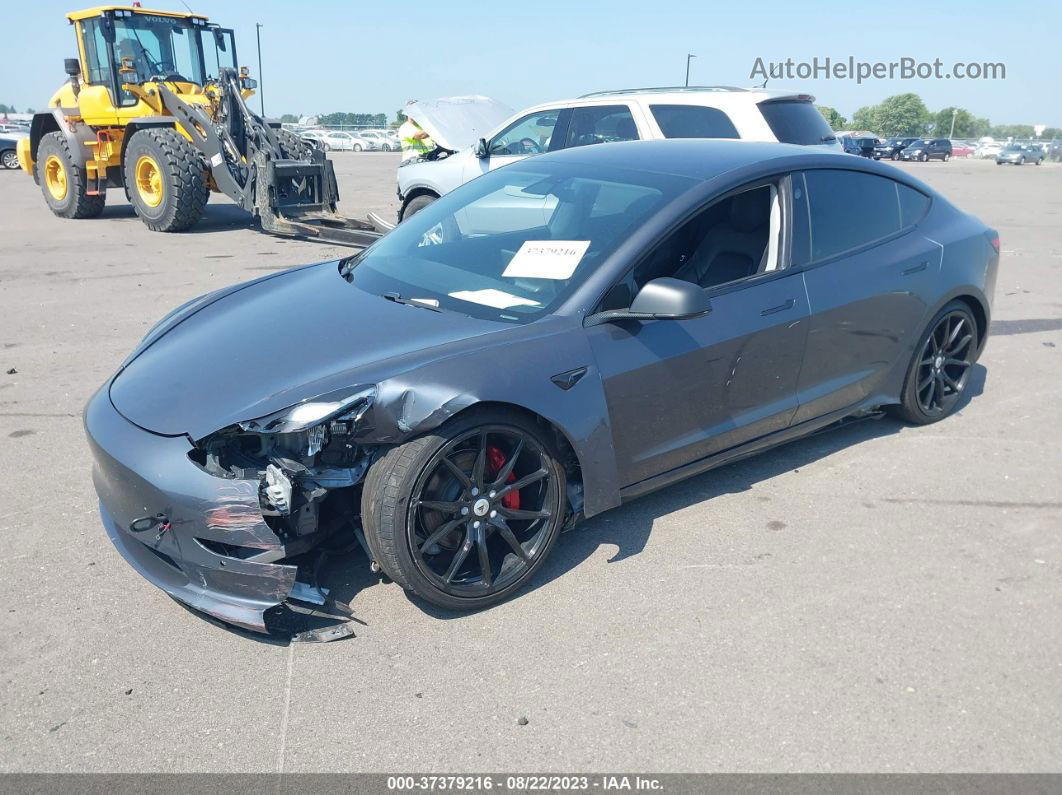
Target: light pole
[(954, 113), (689, 56), (261, 91)]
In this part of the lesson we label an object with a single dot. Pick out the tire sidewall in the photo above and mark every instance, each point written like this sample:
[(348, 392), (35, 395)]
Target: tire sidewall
[(139, 146), (427, 448), (46, 149), (909, 407), (416, 204)]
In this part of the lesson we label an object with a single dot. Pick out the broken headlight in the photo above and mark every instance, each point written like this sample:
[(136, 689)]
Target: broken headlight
[(299, 455)]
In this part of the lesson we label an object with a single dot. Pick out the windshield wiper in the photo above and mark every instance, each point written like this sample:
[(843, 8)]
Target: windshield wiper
[(423, 303)]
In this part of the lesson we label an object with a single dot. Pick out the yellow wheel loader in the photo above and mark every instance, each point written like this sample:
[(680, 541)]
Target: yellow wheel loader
[(156, 104)]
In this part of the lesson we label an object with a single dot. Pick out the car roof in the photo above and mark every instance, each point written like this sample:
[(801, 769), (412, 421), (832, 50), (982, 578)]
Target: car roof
[(703, 158)]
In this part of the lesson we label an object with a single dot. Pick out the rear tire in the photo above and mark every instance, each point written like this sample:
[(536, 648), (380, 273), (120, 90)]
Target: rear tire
[(940, 367), (357, 147), (64, 184), (9, 158), (947, 157), (165, 179), (434, 525)]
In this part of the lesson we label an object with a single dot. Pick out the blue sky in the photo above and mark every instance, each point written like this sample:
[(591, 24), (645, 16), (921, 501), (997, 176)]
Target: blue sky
[(372, 57)]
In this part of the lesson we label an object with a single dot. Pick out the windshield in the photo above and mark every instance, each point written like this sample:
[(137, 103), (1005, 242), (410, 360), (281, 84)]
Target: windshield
[(1013, 148), (514, 243), (155, 46)]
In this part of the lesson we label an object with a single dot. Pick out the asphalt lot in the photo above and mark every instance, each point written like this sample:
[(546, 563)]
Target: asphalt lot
[(879, 598)]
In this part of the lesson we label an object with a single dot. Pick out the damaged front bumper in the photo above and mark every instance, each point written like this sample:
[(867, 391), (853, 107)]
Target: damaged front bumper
[(201, 539)]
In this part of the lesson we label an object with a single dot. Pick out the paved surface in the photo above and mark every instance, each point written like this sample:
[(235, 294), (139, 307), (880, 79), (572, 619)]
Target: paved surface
[(877, 598)]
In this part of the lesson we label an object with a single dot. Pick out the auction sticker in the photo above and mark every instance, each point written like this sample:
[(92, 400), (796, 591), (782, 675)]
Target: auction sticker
[(547, 259)]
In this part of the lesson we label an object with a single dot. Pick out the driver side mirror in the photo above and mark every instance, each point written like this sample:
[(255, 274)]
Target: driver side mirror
[(72, 66), (482, 150), (660, 299)]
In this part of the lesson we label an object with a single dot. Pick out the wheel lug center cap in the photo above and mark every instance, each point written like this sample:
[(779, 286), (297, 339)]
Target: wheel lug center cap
[(481, 506), (939, 362)]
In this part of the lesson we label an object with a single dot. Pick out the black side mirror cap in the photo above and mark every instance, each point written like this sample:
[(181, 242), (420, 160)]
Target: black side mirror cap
[(660, 299), (481, 149), (72, 66)]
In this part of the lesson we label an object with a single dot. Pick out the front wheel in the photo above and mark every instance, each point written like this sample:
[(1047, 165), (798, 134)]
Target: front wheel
[(165, 179), (9, 158), (947, 157), (924, 158), (1021, 161), (895, 155), (416, 204), (466, 514), (357, 147), (940, 368)]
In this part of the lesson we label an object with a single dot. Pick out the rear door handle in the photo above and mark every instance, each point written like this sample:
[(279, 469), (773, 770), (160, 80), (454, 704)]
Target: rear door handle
[(780, 308), (921, 266)]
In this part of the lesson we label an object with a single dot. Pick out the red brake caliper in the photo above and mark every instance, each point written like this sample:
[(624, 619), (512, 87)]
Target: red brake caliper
[(496, 460)]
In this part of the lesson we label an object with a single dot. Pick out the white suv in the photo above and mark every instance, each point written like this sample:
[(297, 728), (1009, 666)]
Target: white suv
[(640, 114)]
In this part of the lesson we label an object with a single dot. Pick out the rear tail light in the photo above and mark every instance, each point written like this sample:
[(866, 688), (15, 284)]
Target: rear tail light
[(993, 239)]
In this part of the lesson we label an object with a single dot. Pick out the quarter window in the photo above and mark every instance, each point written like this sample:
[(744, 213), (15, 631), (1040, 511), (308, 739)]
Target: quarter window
[(600, 124), (913, 205), (693, 121)]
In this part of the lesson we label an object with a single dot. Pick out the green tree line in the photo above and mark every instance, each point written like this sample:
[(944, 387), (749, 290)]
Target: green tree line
[(907, 114)]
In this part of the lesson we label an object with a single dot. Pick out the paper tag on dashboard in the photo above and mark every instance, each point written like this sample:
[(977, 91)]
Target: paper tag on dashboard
[(546, 259), (499, 299)]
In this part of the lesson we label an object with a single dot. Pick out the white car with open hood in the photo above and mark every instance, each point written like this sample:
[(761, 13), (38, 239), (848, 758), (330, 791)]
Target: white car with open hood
[(475, 134)]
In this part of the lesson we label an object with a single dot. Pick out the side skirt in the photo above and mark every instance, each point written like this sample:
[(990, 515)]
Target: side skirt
[(861, 410)]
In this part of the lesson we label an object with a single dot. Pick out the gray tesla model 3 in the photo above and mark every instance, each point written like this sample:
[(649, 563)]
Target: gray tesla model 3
[(538, 346)]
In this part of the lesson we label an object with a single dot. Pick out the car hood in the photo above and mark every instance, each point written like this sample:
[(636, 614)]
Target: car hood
[(274, 343), (457, 122)]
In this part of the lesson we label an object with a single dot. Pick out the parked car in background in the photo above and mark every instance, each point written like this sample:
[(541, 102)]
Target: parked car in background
[(14, 128), (988, 150), (8, 156), (343, 141), (384, 142), (924, 149), (1019, 155), (890, 149), (859, 145), (962, 149), (473, 135)]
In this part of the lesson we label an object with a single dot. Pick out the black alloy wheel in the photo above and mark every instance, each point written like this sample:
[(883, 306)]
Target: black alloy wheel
[(941, 368), (474, 513)]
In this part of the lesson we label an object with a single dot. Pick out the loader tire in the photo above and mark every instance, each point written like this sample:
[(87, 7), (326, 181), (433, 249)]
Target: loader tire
[(294, 148), (63, 183), (165, 179)]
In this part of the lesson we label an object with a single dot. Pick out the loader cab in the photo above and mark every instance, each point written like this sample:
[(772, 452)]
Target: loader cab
[(120, 47)]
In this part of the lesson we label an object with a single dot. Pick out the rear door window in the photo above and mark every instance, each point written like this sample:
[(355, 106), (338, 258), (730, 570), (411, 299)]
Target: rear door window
[(849, 209), (796, 121), (599, 124), (693, 121)]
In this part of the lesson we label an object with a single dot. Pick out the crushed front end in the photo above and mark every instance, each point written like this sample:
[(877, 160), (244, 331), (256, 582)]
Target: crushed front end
[(218, 523)]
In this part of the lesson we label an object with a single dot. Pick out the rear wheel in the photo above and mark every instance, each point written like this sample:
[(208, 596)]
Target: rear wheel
[(63, 183), (947, 157), (357, 147), (466, 514), (165, 179), (9, 158), (940, 369)]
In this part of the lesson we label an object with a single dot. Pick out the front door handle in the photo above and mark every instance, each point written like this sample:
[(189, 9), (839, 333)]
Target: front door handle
[(921, 266), (789, 304)]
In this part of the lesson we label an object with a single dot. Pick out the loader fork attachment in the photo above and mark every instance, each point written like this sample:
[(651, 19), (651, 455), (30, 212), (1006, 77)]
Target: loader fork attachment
[(292, 198)]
